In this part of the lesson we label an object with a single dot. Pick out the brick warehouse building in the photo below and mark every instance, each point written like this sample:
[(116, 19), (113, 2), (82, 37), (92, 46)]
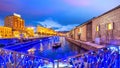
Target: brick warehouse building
[(103, 29), (83, 32), (107, 27)]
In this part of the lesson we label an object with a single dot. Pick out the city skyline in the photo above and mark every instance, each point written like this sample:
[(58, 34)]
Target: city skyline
[(60, 15)]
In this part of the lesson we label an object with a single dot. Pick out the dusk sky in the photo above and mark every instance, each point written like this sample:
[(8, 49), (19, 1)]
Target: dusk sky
[(61, 15)]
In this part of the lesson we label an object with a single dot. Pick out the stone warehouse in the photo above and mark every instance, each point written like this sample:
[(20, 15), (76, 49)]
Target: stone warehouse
[(104, 29), (107, 27)]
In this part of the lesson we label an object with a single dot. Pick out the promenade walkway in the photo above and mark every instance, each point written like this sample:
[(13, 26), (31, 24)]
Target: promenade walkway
[(86, 45)]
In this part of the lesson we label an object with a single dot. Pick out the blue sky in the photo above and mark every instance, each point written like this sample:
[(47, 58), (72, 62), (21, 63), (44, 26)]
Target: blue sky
[(61, 15)]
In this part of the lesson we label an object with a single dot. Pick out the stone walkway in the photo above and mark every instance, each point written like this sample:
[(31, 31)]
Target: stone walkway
[(86, 45)]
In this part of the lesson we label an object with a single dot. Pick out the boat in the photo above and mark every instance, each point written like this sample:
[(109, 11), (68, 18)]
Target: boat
[(56, 45)]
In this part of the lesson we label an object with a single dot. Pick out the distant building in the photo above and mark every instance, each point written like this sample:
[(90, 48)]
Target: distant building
[(45, 31), (29, 31), (5, 32), (16, 34), (15, 22), (62, 33), (40, 30), (84, 32), (72, 34)]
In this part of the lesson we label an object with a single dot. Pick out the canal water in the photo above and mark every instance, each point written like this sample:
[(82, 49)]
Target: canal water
[(44, 48)]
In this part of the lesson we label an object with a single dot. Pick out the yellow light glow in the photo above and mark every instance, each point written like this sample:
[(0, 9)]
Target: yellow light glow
[(45, 31), (97, 28), (80, 31), (30, 31), (31, 51), (110, 26), (16, 34), (0, 36), (5, 32)]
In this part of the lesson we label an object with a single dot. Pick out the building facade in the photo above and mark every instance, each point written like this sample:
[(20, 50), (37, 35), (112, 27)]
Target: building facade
[(84, 32), (76, 33), (106, 28), (15, 22), (45, 31), (72, 35), (89, 31), (16, 34), (29, 31), (5, 32)]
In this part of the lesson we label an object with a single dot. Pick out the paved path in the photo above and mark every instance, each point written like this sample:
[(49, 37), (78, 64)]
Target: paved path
[(86, 45)]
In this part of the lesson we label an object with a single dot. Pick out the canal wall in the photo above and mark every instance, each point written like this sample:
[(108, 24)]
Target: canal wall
[(85, 45), (8, 41)]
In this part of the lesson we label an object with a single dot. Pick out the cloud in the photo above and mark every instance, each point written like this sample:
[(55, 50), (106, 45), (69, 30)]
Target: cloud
[(1, 22), (66, 28), (49, 23)]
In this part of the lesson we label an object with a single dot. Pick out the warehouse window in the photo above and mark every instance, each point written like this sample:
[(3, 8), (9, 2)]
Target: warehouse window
[(110, 26), (97, 28), (80, 31)]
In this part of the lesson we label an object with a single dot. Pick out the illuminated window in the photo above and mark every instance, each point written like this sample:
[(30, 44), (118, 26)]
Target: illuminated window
[(97, 28), (80, 31), (109, 26)]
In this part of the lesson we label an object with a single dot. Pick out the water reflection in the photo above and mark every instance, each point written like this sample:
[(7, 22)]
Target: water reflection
[(49, 46), (41, 47), (45, 48), (31, 51)]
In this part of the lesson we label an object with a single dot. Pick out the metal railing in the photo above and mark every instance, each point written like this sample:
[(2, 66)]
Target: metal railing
[(12, 59), (106, 57)]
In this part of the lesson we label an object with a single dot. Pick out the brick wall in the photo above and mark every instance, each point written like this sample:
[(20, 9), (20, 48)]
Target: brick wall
[(76, 33), (89, 31), (107, 36), (83, 33)]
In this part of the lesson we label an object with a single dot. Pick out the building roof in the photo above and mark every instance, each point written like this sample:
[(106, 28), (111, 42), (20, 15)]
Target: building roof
[(99, 16), (63, 31), (109, 11), (86, 22)]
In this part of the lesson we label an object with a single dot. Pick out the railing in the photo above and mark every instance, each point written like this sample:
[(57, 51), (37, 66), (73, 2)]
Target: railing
[(107, 58), (12, 59)]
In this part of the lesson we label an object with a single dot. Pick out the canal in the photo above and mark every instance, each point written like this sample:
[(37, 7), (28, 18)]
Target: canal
[(44, 48)]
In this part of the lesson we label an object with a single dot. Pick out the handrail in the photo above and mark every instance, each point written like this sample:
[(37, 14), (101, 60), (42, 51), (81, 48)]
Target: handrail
[(18, 58)]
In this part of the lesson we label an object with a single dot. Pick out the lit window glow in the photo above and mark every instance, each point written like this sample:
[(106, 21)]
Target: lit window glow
[(80, 31), (110, 26), (97, 28)]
